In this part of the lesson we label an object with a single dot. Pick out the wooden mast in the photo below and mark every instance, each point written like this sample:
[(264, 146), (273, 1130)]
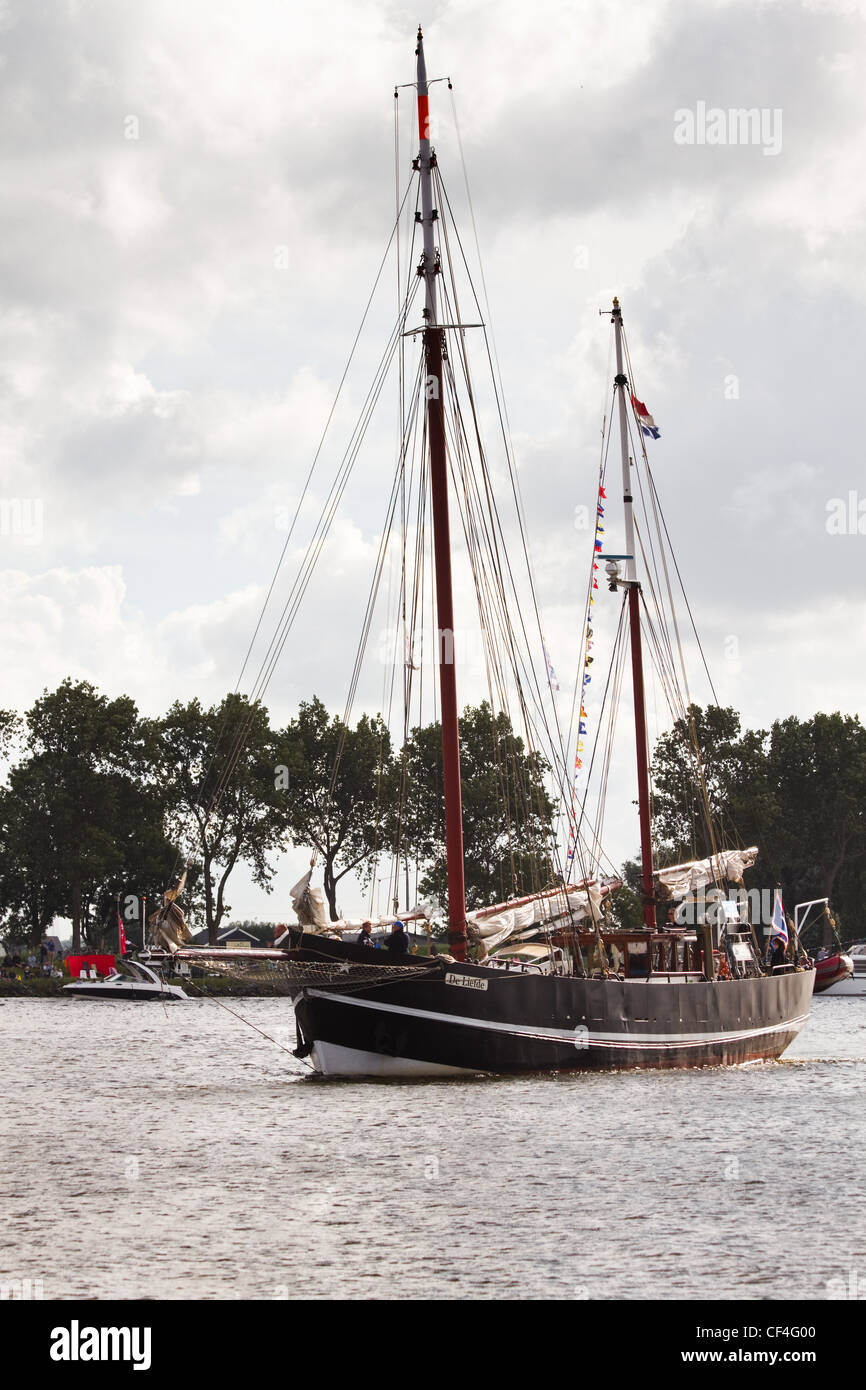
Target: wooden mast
[(429, 269), (631, 583)]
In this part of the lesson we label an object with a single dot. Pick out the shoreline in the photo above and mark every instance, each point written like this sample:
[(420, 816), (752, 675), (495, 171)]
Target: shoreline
[(197, 989)]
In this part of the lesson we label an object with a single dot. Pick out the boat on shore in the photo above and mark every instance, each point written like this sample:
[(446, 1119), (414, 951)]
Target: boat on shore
[(596, 997)]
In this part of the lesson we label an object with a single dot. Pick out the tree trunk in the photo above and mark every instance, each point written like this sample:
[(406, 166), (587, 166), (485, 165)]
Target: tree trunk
[(208, 905), (829, 872), (36, 927), (330, 885)]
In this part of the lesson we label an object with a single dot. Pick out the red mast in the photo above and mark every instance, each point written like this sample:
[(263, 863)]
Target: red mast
[(429, 268), (631, 583)]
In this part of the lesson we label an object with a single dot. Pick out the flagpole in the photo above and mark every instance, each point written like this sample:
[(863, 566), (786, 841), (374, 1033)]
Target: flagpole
[(632, 585)]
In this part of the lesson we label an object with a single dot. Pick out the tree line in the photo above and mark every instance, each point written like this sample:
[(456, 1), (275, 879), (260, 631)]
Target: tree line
[(101, 802), (796, 790)]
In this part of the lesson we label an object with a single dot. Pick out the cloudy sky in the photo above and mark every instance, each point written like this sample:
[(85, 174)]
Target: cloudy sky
[(196, 199)]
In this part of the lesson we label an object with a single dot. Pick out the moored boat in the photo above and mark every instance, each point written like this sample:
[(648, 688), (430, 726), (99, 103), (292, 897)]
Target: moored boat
[(816, 930), (852, 984), (135, 981)]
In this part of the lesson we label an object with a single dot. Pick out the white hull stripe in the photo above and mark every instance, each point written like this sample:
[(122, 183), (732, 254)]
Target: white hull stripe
[(625, 1041), (330, 1059)]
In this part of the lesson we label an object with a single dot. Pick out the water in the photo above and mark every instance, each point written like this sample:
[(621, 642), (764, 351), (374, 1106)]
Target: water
[(155, 1151)]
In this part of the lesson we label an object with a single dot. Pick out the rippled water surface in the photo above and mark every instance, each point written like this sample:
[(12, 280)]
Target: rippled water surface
[(153, 1151)]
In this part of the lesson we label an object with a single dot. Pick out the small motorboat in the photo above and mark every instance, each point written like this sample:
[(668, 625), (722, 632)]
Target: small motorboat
[(834, 968), (852, 984), (137, 982)]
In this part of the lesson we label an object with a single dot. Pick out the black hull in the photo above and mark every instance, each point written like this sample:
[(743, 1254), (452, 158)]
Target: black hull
[(509, 1022)]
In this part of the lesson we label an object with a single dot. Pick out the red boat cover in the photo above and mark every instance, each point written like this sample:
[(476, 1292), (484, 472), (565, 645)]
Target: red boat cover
[(103, 964)]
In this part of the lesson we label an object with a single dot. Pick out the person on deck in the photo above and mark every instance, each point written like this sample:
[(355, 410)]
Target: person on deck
[(364, 938), (780, 953), (398, 941)]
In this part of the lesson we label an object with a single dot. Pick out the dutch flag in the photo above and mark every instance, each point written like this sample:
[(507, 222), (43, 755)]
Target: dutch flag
[(645, 420)]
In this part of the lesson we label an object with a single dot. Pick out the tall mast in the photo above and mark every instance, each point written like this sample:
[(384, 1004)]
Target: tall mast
[(631, 583), (429, 268)]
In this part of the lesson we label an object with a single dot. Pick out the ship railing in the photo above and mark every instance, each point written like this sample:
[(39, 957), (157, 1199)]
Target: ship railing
[(674, 976)]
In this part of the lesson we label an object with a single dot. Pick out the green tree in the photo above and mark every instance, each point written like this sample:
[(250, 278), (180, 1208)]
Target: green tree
[(32, 884), (219, 773), (731, 772), (816, 827), (10, 725), (797, 791), (80, 810), (507, 812), (626, 903), (341, 792)]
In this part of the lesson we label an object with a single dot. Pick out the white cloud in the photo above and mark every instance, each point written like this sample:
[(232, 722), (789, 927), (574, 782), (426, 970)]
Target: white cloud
[(164, 381)]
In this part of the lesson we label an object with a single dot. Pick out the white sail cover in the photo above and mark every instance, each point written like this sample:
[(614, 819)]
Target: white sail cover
[(309, 904), (312, 912), (487, 927), (492, 928), (689, 878)]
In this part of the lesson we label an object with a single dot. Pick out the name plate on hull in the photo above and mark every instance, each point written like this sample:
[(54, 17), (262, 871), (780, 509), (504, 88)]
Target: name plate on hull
[(466, 981)]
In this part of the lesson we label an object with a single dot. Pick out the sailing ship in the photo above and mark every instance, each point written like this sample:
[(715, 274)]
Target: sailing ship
[(554, 985)]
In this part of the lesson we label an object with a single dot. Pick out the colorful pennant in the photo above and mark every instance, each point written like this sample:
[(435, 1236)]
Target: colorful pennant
[(587, 678)]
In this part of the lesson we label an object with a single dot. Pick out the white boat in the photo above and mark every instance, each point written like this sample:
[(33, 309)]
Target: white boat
[(140, 983)]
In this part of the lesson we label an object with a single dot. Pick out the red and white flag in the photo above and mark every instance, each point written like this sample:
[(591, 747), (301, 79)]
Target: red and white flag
[(121, 934)]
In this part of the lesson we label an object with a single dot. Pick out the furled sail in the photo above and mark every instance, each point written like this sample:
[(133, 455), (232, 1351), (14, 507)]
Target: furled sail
[(490, 927), (309, 904), (728, 864), (168, 926)]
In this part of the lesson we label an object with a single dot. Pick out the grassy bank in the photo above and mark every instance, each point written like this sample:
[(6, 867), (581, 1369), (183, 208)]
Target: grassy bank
[(36, 987)]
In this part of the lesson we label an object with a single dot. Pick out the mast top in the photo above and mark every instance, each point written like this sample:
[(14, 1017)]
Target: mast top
[(421, 74)]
